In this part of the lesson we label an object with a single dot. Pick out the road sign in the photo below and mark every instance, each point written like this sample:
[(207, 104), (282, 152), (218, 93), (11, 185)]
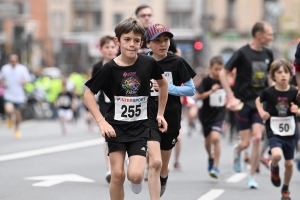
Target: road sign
[(48, 181)]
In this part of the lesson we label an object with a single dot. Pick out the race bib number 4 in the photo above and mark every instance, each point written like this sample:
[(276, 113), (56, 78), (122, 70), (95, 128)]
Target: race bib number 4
[(218, 98), (283, 126), (169, 78), (130, 108)]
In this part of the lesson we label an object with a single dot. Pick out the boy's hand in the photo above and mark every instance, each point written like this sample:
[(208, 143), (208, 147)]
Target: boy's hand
[(215, 87), (162, 124), (264, 115), (155, 85), (293, 108), (106, 129)]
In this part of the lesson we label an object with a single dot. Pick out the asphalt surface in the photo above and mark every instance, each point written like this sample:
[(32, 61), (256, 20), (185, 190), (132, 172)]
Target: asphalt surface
[(72, 167)]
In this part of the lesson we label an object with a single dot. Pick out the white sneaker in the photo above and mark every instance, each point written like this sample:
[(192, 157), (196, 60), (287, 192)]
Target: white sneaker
[(136, 188)]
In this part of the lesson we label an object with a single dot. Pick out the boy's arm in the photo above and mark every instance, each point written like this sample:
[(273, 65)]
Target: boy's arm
[(106, 129), (187, 90), (258, 104), (203, 95), (162, 101)]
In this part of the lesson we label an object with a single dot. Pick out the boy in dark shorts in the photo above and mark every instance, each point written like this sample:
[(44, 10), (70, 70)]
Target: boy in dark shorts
[(109, 50), (125, 81), (212, 113), (177, 71), (281, 124)]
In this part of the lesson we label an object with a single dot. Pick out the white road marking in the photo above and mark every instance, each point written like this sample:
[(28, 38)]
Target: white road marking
[(48, 181), (212, 194), (236, 178), (54, 149)]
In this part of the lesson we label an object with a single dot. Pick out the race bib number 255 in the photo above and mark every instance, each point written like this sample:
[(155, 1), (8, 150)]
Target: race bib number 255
[(130, 108)]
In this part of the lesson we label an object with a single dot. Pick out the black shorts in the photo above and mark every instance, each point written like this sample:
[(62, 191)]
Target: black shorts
[(287, 145), (214, 126), (167, 140), (246, 117), (138, 147)]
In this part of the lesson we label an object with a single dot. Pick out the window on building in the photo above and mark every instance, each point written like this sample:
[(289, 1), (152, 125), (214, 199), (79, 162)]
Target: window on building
[(57, 19), (231, 14), (180, 20), (1, 25), (118, 17), (79, 22), (97, 20)]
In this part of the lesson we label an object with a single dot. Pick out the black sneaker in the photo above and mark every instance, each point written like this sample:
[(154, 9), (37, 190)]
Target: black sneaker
[(163, 185), (275, 175), (285, 195)]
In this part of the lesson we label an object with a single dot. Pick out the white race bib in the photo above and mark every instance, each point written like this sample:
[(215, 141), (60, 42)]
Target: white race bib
[(283, 126), (106, 99), (153, 92), (130, 108), (217, 98), (169, 77)]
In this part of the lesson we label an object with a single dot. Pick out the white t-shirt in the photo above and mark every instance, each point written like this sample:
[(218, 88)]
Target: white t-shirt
[(13, 78)]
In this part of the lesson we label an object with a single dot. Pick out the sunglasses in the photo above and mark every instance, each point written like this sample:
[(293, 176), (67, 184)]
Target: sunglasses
[(145, 15)]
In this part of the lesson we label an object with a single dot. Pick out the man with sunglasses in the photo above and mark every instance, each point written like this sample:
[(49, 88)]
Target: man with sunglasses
[(144, 14)]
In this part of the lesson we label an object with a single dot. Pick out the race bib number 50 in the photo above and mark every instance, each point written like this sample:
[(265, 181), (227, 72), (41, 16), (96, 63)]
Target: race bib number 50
[(130, 108), (283, 126)]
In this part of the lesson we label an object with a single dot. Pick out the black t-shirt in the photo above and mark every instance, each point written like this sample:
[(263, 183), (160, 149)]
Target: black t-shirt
[(103, 101), (252, 70), (177, 71), (212, 112), (127, 88), (64, 100), (278, 105)]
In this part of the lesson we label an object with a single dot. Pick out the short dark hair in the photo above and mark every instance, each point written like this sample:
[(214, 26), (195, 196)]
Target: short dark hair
[(141, 7), (216, 60), (130, 24), (258, 27), (105, 39), (276, 64)]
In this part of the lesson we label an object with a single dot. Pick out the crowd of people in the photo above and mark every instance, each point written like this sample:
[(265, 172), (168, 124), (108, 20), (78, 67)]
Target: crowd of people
[(136, 93)]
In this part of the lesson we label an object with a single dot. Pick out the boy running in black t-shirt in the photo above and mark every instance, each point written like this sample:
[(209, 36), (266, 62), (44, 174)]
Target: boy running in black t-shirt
[(177, 71), (125, 81), (109, 50), (281, 125), (212, 113)]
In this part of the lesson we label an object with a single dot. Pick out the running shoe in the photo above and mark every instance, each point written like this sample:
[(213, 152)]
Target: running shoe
[(298, 163), (17, 134), (108, 176), (163, 185), (251, 183), (177, 166), (237, 164), (285, 195), (135, 188), (210, 164), (275, 178), (214, 172)]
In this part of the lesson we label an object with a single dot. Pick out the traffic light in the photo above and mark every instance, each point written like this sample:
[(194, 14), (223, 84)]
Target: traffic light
[(198, 45)]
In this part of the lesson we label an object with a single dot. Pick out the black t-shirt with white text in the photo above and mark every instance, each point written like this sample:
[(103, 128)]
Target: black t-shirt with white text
[(212, 110), (278, 104), (64, 100), (251, 73), (104, 102), (128, 89), (177, 71)]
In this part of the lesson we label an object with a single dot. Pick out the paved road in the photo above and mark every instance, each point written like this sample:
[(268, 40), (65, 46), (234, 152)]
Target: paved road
[(78, 156)]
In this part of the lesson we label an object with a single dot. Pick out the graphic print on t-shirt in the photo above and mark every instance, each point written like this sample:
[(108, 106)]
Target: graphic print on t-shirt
[(259, 74), (282, 106), (131, 83)]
